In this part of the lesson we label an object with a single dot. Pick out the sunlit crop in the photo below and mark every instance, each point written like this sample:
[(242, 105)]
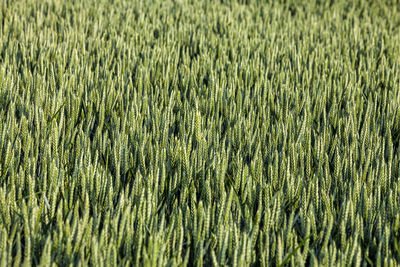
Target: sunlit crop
[(191, 133)]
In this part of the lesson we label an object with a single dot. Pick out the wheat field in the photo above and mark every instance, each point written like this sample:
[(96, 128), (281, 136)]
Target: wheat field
[(199, 133)]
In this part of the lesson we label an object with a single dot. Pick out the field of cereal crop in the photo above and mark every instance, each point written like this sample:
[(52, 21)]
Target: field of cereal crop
[(199, 133)]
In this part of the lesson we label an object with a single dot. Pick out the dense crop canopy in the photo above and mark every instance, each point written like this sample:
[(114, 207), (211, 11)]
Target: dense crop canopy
[(211, 133)]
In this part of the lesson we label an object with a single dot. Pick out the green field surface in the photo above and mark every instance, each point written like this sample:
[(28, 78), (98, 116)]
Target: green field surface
[(199, 133)]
